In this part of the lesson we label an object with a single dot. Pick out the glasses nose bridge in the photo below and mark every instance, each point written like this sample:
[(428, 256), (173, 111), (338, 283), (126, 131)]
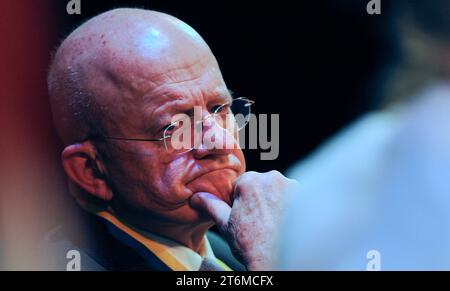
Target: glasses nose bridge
[(221, 135), (207, 119), (207, 123)]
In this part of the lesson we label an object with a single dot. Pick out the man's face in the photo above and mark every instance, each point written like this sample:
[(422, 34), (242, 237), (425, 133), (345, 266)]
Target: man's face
[(146, 179)]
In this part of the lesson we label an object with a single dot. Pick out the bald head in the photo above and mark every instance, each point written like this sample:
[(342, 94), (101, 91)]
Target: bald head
[(102, 68)]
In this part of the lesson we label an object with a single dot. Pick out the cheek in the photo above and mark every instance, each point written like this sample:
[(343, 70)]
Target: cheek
[(172, 179), (148, 181)]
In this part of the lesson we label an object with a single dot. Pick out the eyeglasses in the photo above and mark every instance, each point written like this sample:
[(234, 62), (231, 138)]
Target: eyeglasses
[(183, 135)]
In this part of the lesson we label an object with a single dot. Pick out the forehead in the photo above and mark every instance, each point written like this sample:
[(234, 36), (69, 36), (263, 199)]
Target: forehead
[(188, 85), (180, 95), (176, 90), (171, 76)]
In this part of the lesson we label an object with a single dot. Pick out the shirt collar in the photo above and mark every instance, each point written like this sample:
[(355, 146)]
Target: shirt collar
[(176, 256)]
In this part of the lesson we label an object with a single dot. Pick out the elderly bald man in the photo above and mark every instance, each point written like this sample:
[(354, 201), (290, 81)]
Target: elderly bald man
[(115, 84)]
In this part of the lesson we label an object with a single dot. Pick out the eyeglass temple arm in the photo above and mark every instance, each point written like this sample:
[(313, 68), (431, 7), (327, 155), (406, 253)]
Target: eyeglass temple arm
[(133, 139)]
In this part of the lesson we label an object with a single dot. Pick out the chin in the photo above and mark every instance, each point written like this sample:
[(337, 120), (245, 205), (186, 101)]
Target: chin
[(218, 183), (191, 215)]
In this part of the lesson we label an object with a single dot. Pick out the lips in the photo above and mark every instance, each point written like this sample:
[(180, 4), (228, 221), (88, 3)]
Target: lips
[(218, 182), (206, 171)]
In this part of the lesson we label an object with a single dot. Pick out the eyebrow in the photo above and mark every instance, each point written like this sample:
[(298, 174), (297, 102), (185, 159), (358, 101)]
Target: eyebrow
[(179, 107), (223, 97)]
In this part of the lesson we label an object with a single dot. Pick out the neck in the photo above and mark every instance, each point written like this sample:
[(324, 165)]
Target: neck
[(189, 235)]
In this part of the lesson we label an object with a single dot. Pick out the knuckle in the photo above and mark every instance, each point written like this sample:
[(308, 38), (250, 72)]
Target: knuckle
[(247, 177), (252, 174), (269, 183), (276, 174)]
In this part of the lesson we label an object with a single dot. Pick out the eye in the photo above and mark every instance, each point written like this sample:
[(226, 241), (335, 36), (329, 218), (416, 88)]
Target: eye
[(171, 128), (221, 109)]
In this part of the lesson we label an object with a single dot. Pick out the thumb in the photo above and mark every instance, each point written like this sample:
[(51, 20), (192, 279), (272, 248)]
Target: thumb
[(216, 208)]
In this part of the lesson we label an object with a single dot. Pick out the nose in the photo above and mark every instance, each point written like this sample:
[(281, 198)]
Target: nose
[(215, 140)]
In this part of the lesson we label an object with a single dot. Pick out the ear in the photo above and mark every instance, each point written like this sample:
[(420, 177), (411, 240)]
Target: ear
[(82, 166)]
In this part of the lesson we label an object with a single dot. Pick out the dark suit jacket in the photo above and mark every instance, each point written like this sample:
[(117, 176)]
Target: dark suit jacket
[(100, 250)]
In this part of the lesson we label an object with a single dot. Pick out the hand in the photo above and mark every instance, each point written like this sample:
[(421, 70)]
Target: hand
[(251, 224)]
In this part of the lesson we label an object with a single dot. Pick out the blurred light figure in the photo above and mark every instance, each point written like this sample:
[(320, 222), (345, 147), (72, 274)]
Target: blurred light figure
[(383, 184)]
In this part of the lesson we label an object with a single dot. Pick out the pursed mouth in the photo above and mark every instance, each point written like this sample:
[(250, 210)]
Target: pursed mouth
[(203, 173)]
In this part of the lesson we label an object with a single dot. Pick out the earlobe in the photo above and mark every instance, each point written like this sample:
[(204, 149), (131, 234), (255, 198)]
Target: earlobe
[(79, 163)]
